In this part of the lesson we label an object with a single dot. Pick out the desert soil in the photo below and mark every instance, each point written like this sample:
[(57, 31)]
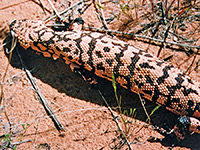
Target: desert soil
[(78, 106)]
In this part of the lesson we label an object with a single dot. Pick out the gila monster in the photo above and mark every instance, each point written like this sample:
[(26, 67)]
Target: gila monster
[(134, 69)]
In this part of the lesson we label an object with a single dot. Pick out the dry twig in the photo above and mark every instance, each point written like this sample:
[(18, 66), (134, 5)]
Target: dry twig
[(43, 100), (64, 11), (100, 14), (132, 35), (56, 12), (116, 121), (36, 132)]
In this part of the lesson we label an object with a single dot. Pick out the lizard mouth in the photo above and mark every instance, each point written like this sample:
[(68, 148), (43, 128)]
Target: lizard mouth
[(12, 24)]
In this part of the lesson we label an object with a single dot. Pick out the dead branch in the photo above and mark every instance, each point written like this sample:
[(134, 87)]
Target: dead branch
[(64, 11), (43, 100), (116, 121), (132, 35)]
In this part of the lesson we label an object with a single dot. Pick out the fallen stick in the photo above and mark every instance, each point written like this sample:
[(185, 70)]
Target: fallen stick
[(42, 99)]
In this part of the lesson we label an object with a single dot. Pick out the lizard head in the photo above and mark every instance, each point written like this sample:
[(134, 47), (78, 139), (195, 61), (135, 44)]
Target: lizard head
[(23, 31)]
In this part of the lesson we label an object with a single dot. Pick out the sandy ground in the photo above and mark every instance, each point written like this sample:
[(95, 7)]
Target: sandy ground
[(80, 108)]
